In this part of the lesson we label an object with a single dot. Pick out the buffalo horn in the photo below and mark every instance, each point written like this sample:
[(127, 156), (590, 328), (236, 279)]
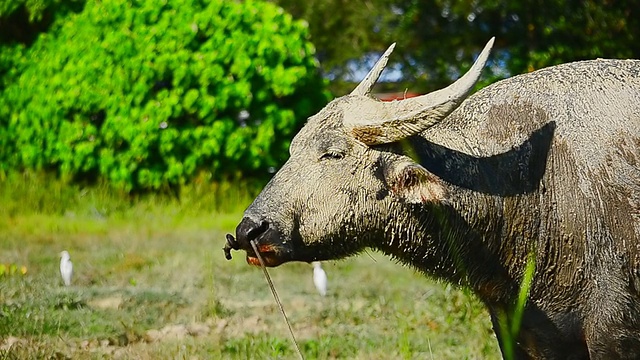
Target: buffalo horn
[(364, 88), (378, 122)]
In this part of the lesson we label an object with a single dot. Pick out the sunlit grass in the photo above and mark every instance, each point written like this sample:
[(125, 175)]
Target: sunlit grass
[(149, 269)]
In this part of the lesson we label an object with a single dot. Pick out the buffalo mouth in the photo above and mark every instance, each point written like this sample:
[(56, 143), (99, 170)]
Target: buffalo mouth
[(268, 254), (272, 252)]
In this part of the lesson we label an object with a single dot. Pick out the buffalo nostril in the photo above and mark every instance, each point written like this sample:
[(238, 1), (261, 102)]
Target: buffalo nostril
[(249, 230), (255, 232)]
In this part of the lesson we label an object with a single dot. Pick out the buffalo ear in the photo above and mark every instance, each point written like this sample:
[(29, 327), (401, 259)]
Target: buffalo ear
[(414, 184)]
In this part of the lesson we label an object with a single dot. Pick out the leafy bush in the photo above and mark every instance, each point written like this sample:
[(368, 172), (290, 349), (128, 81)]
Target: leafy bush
[(151, 93), (21, 21), (31, 13)]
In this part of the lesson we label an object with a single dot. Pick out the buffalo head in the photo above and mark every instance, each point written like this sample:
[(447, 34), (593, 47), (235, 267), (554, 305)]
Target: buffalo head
[(347, 184)]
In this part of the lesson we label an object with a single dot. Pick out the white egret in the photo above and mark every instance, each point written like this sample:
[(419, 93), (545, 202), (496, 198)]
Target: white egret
[(66, 267), (319, 278)]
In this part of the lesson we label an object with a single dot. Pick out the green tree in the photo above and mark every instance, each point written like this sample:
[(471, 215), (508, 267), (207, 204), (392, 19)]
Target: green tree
[(149, 94), (437, 39), (21, 21)]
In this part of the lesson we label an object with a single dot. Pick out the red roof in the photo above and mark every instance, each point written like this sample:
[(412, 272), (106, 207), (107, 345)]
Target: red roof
[(395, 96)]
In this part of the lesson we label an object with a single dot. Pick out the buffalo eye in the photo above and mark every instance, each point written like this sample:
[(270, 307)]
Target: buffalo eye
[(332, 155)]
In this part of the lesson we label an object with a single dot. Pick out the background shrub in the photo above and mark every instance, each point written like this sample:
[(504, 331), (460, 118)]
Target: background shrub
[(149, 93)]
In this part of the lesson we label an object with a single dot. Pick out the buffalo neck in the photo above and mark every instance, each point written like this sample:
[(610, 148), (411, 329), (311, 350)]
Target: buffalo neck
[(458, 245)]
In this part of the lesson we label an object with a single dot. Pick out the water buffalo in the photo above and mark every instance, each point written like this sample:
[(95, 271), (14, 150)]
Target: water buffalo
[(542, 166)]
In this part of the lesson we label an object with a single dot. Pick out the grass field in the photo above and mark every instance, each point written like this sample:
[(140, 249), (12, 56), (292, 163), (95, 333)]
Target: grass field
[(151, 282)]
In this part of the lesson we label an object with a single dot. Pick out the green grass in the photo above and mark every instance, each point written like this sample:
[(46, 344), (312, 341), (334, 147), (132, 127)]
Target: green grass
[(151, 282)]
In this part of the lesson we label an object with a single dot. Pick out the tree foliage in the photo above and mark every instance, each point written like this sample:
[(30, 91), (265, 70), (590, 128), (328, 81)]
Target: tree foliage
[(21, 21), (147, 94), (437, 39)]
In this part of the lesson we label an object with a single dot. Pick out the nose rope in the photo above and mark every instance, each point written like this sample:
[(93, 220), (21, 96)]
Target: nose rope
[(231, 244), (275, 296)]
